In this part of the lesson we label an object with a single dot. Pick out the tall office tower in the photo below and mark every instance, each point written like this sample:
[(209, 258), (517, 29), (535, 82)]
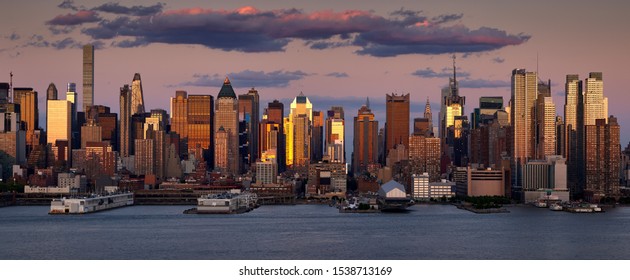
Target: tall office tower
[(560, 137), (301, 141), (59, 123), (12, 137), (459, 133), (4, 93), (545, 122), (335, 135), (179, 119), (591, 106), (18, 92), (573, 95), (137, 97), (199, 127), (595, 104), (602, 160), (268, 140), (381, 145), (424, 156), (125, 122), (29, 114), (144, 157), (396, 121), (221, 150), (451, 106), (288, 136), (71, 95), (249, 112), (226, 116), (275, 114), (365, 140), (428, 115), (88, 76), (161, 152), (300, 144), (317, 138), (524, 92)]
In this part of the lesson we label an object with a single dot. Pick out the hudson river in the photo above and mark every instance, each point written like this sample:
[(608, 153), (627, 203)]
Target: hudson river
[(314, 232)]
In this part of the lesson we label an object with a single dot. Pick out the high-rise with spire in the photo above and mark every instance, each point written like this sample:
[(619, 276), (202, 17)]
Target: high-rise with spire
[(451, 106), (545, 122), (137, 96), (428, 115), (88, 76), (226, 117)]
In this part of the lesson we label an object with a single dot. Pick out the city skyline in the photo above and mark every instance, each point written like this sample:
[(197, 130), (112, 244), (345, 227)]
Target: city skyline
[(344, 75)]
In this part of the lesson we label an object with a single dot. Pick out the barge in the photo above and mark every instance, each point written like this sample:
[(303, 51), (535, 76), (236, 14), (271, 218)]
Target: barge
[(95, 203)]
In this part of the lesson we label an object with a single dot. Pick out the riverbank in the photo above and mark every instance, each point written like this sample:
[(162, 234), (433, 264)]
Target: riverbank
[(482, 211)]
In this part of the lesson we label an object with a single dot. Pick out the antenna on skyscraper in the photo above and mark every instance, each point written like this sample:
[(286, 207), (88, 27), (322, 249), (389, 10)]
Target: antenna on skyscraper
[(454, 69), (10, 86)]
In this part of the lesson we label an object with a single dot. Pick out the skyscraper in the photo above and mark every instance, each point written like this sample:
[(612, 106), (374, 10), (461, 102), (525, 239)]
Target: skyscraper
[(524, 93), (573, 97), (88, 76), (451, 106), (602, 160), (365, 140), (248, 111), (137, 97), (275, 114), (424, 156), (545, 122), (226, 116), (199, 127), (335, 135), (300, 122), (125, 122), (317, 136), (179, 119), (59, 122), (397, 121), (71, 95)]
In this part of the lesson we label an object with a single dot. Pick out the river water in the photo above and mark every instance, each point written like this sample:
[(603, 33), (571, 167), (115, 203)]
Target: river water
[(313, 232)]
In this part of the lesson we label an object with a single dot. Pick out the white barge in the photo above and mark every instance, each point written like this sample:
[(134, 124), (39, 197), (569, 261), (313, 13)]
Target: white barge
[(90, 204), (225, 203)]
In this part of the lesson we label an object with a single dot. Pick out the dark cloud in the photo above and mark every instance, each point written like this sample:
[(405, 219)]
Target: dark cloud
[(338, 75), (66, 43), (61, 30), (441, 19), (129, 43), (115, 8), (248, 29), (14, 36), (480, 83), (445, 73), (77, 18), (435, 40), (68, 4), (498, 60), (248, 78)]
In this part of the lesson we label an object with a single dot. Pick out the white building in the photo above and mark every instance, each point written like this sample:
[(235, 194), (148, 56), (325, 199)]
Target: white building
[(420, 186), (392, 189), (266, 172), (75, 183), (546, 179)]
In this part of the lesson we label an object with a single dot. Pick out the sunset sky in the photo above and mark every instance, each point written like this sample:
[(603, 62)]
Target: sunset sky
[(335, 52)]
